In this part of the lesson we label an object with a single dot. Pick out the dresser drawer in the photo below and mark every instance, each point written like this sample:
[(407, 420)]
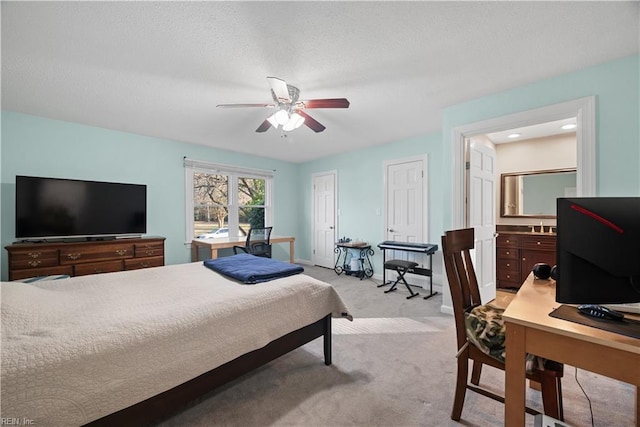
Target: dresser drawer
[(508, 264), (149, 250), (510, 276), (33, 259), (507, 241), (84, 253), (543, 243), (97, 267), (30, 254), (507, 253), (138, 263)]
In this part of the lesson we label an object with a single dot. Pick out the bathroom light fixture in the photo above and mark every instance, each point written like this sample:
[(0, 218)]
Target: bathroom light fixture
[(568, 126), (514, 135)]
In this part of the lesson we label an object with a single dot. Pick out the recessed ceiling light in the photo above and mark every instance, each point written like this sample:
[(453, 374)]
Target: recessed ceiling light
[(514, 135), (569, 126)]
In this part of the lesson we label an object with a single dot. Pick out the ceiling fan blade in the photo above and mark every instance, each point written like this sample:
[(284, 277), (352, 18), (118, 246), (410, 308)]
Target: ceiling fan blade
[(245, 105), (325, 103), (279, 89), (264, 126), (313, 124)]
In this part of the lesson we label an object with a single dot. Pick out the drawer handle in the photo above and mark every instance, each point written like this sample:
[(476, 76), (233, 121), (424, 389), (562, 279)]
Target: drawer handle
[(508, 252), (74, 256), (96, 270), (121, 252), (508, 241), (34, 254), (151, 252), (524, 259), (508, 264), (144, 265), (35, 263), (538, 242), (508, 276)]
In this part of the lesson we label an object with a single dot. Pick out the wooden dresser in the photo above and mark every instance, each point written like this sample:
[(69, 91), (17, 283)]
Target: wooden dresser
[(518, 252), (81, 258)]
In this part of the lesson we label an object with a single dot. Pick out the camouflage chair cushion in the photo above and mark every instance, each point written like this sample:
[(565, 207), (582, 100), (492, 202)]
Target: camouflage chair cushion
[(485, 329)]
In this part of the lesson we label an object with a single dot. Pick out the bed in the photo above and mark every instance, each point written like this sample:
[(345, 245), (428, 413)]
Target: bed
[(133, 347)]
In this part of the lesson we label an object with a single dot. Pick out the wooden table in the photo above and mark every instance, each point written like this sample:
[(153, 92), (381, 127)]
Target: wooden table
[(530, 329), (212, 245)]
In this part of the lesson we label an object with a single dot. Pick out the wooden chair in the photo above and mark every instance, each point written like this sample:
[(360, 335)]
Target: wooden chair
[(258, 242), (465, 295)]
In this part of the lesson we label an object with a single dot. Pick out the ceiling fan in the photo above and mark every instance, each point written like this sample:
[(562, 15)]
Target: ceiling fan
[(289, 114)]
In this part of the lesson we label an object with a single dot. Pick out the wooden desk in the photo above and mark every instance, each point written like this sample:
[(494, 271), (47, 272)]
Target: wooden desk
[(530, 329), (212, 245)]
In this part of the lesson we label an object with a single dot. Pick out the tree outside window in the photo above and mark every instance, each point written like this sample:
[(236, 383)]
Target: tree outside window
[(215, 212), (251, 202), (210, 201)]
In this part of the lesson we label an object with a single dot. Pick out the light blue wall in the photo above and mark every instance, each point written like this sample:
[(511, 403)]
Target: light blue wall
[(361, 191), (37, 146), (616, 87), (43, 147)]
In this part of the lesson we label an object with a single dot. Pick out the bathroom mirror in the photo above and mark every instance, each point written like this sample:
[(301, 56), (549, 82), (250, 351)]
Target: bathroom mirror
[(533, 194)]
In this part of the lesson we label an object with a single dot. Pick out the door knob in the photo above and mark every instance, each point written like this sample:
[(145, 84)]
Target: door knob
[(392, 230)]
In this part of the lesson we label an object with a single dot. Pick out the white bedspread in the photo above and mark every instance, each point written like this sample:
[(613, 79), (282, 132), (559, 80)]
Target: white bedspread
[(75, 350)]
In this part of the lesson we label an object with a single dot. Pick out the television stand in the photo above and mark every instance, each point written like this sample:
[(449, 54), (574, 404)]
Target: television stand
[(79, 258)]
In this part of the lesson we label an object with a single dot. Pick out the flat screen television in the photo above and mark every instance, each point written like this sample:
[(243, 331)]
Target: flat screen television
[(598, 250), (53, 208)]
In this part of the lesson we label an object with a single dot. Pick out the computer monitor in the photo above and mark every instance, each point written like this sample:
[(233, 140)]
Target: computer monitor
[(598, 250)]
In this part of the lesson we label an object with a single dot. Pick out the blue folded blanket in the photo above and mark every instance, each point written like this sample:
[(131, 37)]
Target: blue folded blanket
[(251, 269)]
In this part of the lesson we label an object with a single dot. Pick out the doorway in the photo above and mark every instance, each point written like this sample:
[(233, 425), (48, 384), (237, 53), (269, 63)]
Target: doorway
[(406, 205), (324, 218), (582, 109), (481, 187)]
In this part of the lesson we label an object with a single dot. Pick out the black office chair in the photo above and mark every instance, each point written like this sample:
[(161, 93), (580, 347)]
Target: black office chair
[(257, 243)]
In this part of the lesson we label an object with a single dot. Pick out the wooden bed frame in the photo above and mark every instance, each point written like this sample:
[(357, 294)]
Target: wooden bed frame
[(168, 403)]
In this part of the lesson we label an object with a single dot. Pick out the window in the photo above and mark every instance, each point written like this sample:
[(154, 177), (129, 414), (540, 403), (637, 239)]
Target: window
[(225, 201)]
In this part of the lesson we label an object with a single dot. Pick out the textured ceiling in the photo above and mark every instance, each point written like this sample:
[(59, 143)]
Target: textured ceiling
[(160, 68)]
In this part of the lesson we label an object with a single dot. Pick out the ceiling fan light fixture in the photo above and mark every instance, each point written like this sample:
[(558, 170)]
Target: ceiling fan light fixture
[(272, 119), (289, 114), (294, 122), (281, 116)]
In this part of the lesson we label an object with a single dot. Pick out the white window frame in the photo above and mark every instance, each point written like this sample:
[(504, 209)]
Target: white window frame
[(233, 173)]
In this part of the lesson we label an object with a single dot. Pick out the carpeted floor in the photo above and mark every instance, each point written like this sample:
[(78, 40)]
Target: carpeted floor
[(394, 365)]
